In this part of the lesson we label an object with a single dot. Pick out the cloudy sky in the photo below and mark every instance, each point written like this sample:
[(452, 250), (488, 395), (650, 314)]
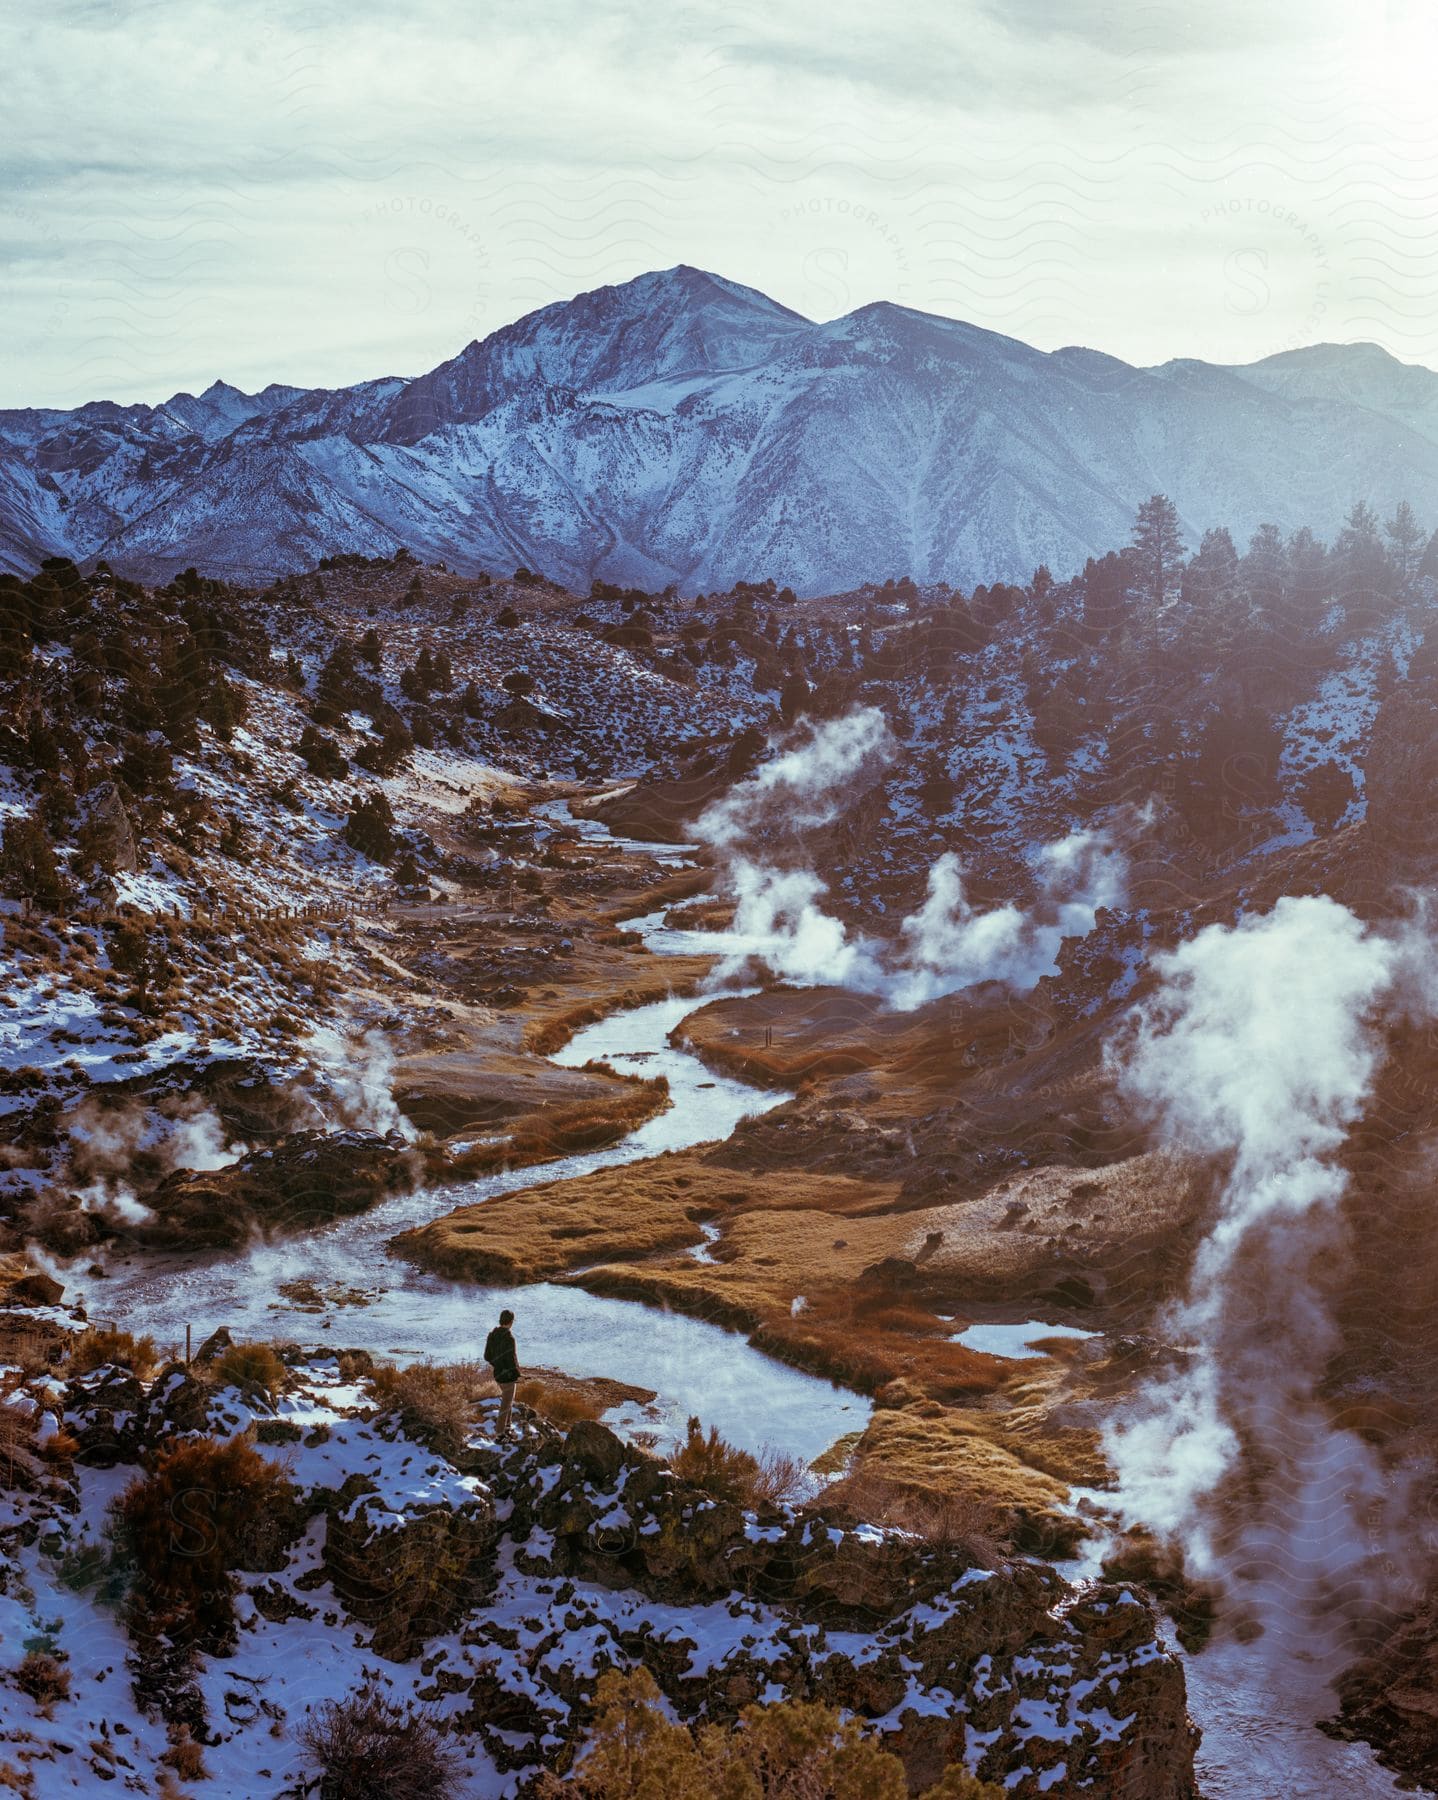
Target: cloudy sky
[(318, 191)]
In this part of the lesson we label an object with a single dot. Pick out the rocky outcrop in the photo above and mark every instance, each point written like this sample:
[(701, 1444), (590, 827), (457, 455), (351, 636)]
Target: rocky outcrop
[(411, 1577), (1391, 1697), (1043, 1688), (290, 1186), (497, 1582), (109, 835)]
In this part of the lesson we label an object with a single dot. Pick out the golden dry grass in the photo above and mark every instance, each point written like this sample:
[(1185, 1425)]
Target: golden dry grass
[(97, 1346), (614, 1215), (552, 1023), (564, 1130), (563, 1403), (926, 1447)]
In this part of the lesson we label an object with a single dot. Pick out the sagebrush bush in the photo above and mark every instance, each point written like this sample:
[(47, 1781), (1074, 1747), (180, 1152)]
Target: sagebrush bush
[(96, 1347), (367, 1748), (792, 1750), (183, 1527), (728, 1473), (43, 1677), (185, 1756), (251, 1367), (435, 1403)]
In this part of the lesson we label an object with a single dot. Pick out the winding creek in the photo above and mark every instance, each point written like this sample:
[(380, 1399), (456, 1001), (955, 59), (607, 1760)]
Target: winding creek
[(1256, 1710)]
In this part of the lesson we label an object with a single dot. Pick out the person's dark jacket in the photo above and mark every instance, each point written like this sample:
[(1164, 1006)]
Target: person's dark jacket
[(499, 1354)]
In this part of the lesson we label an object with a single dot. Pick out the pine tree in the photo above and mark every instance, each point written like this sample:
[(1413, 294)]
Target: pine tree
[(1405, 537), (1105, 591), (1360, 562), (1266, 571), (1158, 549), (28, 869)]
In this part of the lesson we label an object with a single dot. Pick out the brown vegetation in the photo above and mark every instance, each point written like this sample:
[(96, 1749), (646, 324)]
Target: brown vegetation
[(98, 1346), (721, 1469), (253, 1368), (185, 1525), (562, 1403), (367, 1748), (534, 1234), (438, 1404), (563, 1130), (792, 1750), (44, 1678)]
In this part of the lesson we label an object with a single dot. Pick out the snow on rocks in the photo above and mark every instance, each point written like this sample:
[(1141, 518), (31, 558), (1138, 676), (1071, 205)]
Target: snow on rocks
[(495, 1582)]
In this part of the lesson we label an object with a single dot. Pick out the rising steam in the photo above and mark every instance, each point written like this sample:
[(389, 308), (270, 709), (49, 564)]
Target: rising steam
[(760, 828), (1259, 1050), (106, 1143), (358, 1071)]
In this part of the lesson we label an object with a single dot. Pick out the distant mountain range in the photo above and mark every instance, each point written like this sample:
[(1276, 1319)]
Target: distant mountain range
[(681, 428)]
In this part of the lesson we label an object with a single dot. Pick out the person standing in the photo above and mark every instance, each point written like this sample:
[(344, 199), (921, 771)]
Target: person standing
[(499, 1353)]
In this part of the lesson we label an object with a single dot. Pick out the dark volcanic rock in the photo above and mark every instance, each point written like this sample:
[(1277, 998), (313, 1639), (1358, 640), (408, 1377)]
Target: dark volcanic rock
[(289, 1186), (1391, 1697)]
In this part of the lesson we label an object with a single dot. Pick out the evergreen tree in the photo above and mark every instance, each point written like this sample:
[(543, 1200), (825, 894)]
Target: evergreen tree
[(28, 869), (1267, 572), (1360, 563), (1105, 594), (1405, 538), (1158, 550), (370, 828)]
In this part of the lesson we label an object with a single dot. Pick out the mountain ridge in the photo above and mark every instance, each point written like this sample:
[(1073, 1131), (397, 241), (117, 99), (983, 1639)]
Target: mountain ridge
[(683, 428)]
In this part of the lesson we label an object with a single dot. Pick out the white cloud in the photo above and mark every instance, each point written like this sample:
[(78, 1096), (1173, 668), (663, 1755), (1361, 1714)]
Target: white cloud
[(324, 193)]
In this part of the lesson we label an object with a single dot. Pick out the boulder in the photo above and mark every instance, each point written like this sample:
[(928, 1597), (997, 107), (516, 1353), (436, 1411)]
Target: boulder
[(305, 1178), (109, 833), (105, 1414), (410, 1578)]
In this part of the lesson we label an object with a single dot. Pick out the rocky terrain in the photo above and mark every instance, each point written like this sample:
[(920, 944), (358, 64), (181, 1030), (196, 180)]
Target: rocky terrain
[(494, 1582), (307, 886)]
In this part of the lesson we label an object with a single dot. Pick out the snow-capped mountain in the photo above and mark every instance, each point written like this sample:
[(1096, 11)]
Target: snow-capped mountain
[(682, 428)]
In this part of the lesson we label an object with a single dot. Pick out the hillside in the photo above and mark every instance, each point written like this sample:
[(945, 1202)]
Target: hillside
[(744, 989)]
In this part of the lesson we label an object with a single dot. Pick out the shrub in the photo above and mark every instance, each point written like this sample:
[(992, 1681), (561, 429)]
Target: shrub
[(951, 1520), (561, 1405), (185, 1756), (793, 1750), (437, 1405), (370, 828), (714, 1465), (367, 1748), (386, 754), (783, 1478), (43, 1678), (728, 1473), (183, 1528), (96, 1347), (28, 869), (322, 755), (250, 1367)]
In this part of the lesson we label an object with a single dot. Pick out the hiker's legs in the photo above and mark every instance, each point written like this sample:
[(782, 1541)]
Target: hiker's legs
[(506, 1401)]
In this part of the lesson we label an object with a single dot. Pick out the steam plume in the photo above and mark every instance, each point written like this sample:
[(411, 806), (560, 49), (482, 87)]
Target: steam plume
[(1259, 1049), (359, 1072), (945, 946)]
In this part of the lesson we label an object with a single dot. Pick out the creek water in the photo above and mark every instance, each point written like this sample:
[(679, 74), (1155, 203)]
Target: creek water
[(1257, 1704), (377, 1303)]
